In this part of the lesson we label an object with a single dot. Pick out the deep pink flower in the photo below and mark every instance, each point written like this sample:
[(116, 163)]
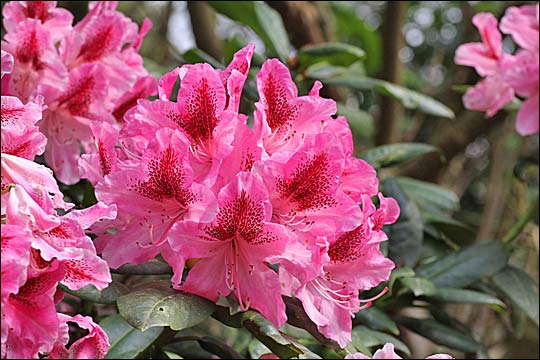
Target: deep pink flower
[(152, 193), (56, 21), (29, 319), (235, 247), (484, 56), (37, 67), (305, 192), (92, 346), (102, 157), (20, 136), (282, 118), (7, 63), (16, 242)]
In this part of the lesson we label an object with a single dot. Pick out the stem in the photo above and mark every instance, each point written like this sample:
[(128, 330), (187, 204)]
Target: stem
[(513, 233)]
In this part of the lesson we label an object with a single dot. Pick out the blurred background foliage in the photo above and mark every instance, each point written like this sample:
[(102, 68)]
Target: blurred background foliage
[(467, 242)]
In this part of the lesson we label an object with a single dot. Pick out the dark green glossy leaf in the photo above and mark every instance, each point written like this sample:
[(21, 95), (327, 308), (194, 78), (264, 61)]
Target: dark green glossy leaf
[(461, 296), (365, 337), (456, 231), (109, 295), (126, 341), (157, 304), (466, 266), (265, 21), (429, 197), (419, 286), (218, 348), (406, 235), (330, 52), (393, 154), (440, 334), (377, 319), (152, 267), (341, 76), (520, 288)]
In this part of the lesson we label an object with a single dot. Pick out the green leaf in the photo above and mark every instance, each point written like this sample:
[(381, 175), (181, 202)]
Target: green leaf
[(398, 274), (406, 235), (152, 267), (419, 286), (457, 231), (109, 295), (393, 154), (429, 197), (365, 337), (440, 334), (196, 55), (126, 341), (518, 286), (341, 76), (460, 296), (218, 348), (377, 319), (330, 52), (279, 343), (466, 266), (265, 21), (360, 122), (157, 304)]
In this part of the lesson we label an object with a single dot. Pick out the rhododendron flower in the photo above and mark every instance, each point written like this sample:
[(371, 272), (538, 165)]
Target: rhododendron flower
[(387, 352), (152, 193), (505, 75), (7, 63), (91, 346), (233, 249)]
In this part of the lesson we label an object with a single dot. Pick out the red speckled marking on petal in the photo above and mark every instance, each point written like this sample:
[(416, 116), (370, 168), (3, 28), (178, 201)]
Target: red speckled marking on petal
[(308, 185), (29, 51), (165, 179), (279, 112), (10, 115), (201, 113), (346, 247), (103, 158), (79, 97), (97, 45), (241, 217), (37, 10)]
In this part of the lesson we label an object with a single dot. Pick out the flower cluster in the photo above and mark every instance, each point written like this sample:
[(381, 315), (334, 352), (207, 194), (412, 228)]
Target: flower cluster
[(87, 73), (505, 75), (279, 208), (40, 248)]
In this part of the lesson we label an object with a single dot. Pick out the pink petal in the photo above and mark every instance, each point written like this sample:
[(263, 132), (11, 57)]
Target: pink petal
[(7, 63), (489, 95), (522, 23), (527, 117), (234, 76)]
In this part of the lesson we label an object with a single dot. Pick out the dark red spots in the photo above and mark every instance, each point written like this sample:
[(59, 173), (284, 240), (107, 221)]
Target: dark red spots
[(29, 51), (241, 217), (37, 10), (103, 159), (348, 246), (248, 159), (77, 270), (165, 179), (309, 184), (278, 110), (79, 96), (201, 113), (60, 232), (97, 45), (10, 115)]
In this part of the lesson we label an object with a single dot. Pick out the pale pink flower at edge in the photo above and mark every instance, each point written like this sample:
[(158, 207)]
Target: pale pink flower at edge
[(387, 352)]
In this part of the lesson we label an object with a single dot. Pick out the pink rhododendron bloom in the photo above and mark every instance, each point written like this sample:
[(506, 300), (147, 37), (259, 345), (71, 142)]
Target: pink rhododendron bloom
[(152, 194), (91, 346), (387, 352), (7, 63), (16, 241), (505, 75), (233, 249), (20, 136), (56, 21), (282, 118)]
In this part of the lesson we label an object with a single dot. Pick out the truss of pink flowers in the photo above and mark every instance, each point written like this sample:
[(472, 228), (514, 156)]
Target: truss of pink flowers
[(280, 208)]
